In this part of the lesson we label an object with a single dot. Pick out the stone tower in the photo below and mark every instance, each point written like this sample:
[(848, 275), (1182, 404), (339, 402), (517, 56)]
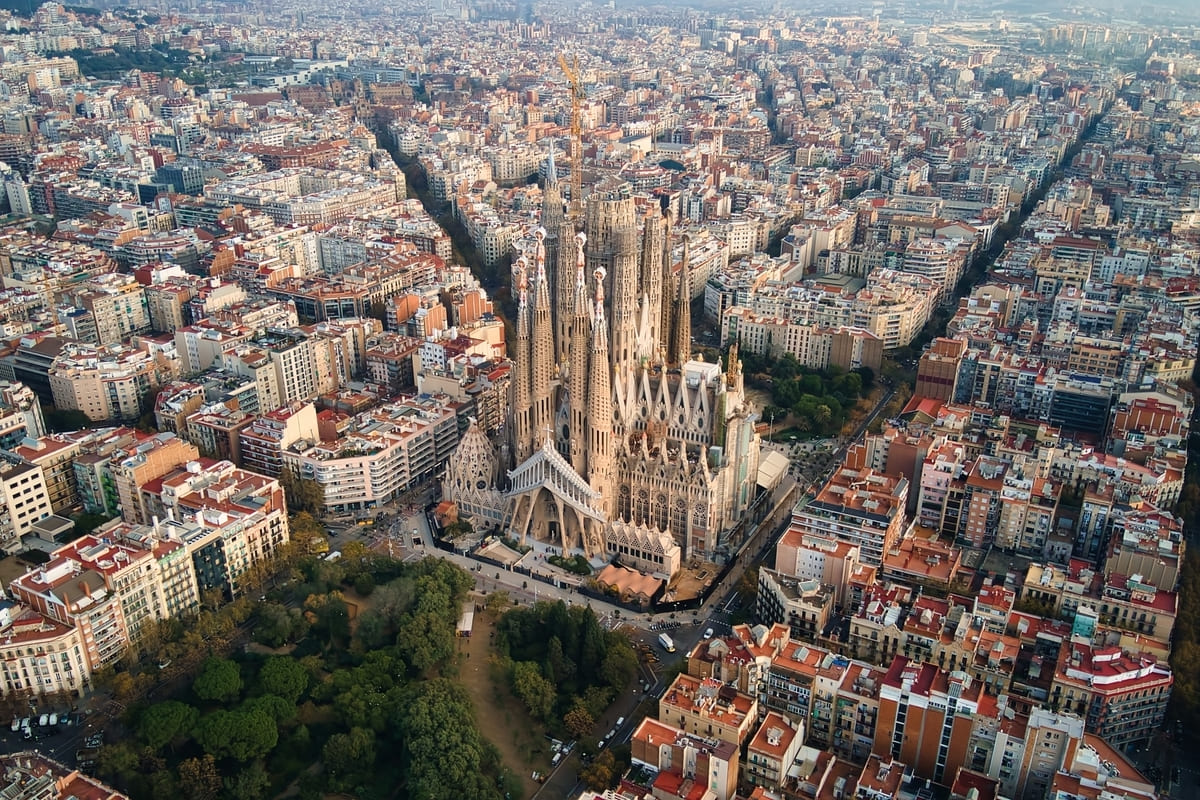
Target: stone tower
[(666, 318), (577, 374), (611, 228), (560, 262), (650, 308), (600, 407), (542, 348), (681, 338), (522, 406)]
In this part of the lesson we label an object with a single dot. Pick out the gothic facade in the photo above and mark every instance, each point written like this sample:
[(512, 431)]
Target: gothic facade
[(616, 435)]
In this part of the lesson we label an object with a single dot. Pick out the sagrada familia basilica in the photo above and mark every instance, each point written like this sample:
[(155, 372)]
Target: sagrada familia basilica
[(618, 442)]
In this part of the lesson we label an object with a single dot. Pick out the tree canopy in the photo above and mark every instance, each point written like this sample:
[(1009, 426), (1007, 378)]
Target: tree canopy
[(249, 726), (580, 667)]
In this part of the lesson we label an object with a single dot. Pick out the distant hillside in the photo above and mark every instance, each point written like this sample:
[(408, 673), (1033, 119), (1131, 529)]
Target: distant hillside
[(22, 7)]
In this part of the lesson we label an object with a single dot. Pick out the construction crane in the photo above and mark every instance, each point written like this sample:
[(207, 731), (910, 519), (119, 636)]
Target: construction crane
[(571, 71)]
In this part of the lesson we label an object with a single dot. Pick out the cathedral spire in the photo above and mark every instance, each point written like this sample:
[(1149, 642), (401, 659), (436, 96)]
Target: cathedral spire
[(651, 287), (667, 290), (542, 344), (577, 377), (551, 173), (600, 404), (522, 407), (681, 341)]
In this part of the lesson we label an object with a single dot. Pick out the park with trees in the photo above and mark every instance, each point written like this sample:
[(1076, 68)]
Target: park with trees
[(806, 402), (327, 700)]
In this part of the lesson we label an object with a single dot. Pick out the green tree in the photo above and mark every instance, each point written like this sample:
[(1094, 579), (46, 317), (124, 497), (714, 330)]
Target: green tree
[(619, 666), (240, 735), (443, 749), (117, 761), (347, 756), (250, 783), (273, 706), (166, 723), (276, 624), (533, 689), (302, 494), (308, 534), (284, 677), (219, 681), (497, 603), (328, 616)]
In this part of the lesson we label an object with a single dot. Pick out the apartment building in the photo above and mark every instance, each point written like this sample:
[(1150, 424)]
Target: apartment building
[(816, 557), (263, 441), (54, 454), (805, 606), (687, 765), (239, 520), (860, 507), (877, 627), (709, 708), (284, 365), (25, 500), (108, 382), (216, 431), (1122, 696), (772, 751), (741, 659), (133, 466), (108, 310), (167, 303), (39, 655), (1146, 542), (174, 402), (925, 717), (202, 344), (391, 361), (1093, 771), (20, 414), (383, 454), (76, 589)]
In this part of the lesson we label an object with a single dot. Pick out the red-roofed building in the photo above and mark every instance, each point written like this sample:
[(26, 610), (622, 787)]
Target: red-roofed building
[(860, 507), (238, 518), (772, 750), (688, 766), (925, 717), (707, 707), (1097, 771), (29, 775), (1123, 697)]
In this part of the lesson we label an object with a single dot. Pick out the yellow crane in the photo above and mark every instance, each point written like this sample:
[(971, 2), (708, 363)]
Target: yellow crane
[(571, 71)]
